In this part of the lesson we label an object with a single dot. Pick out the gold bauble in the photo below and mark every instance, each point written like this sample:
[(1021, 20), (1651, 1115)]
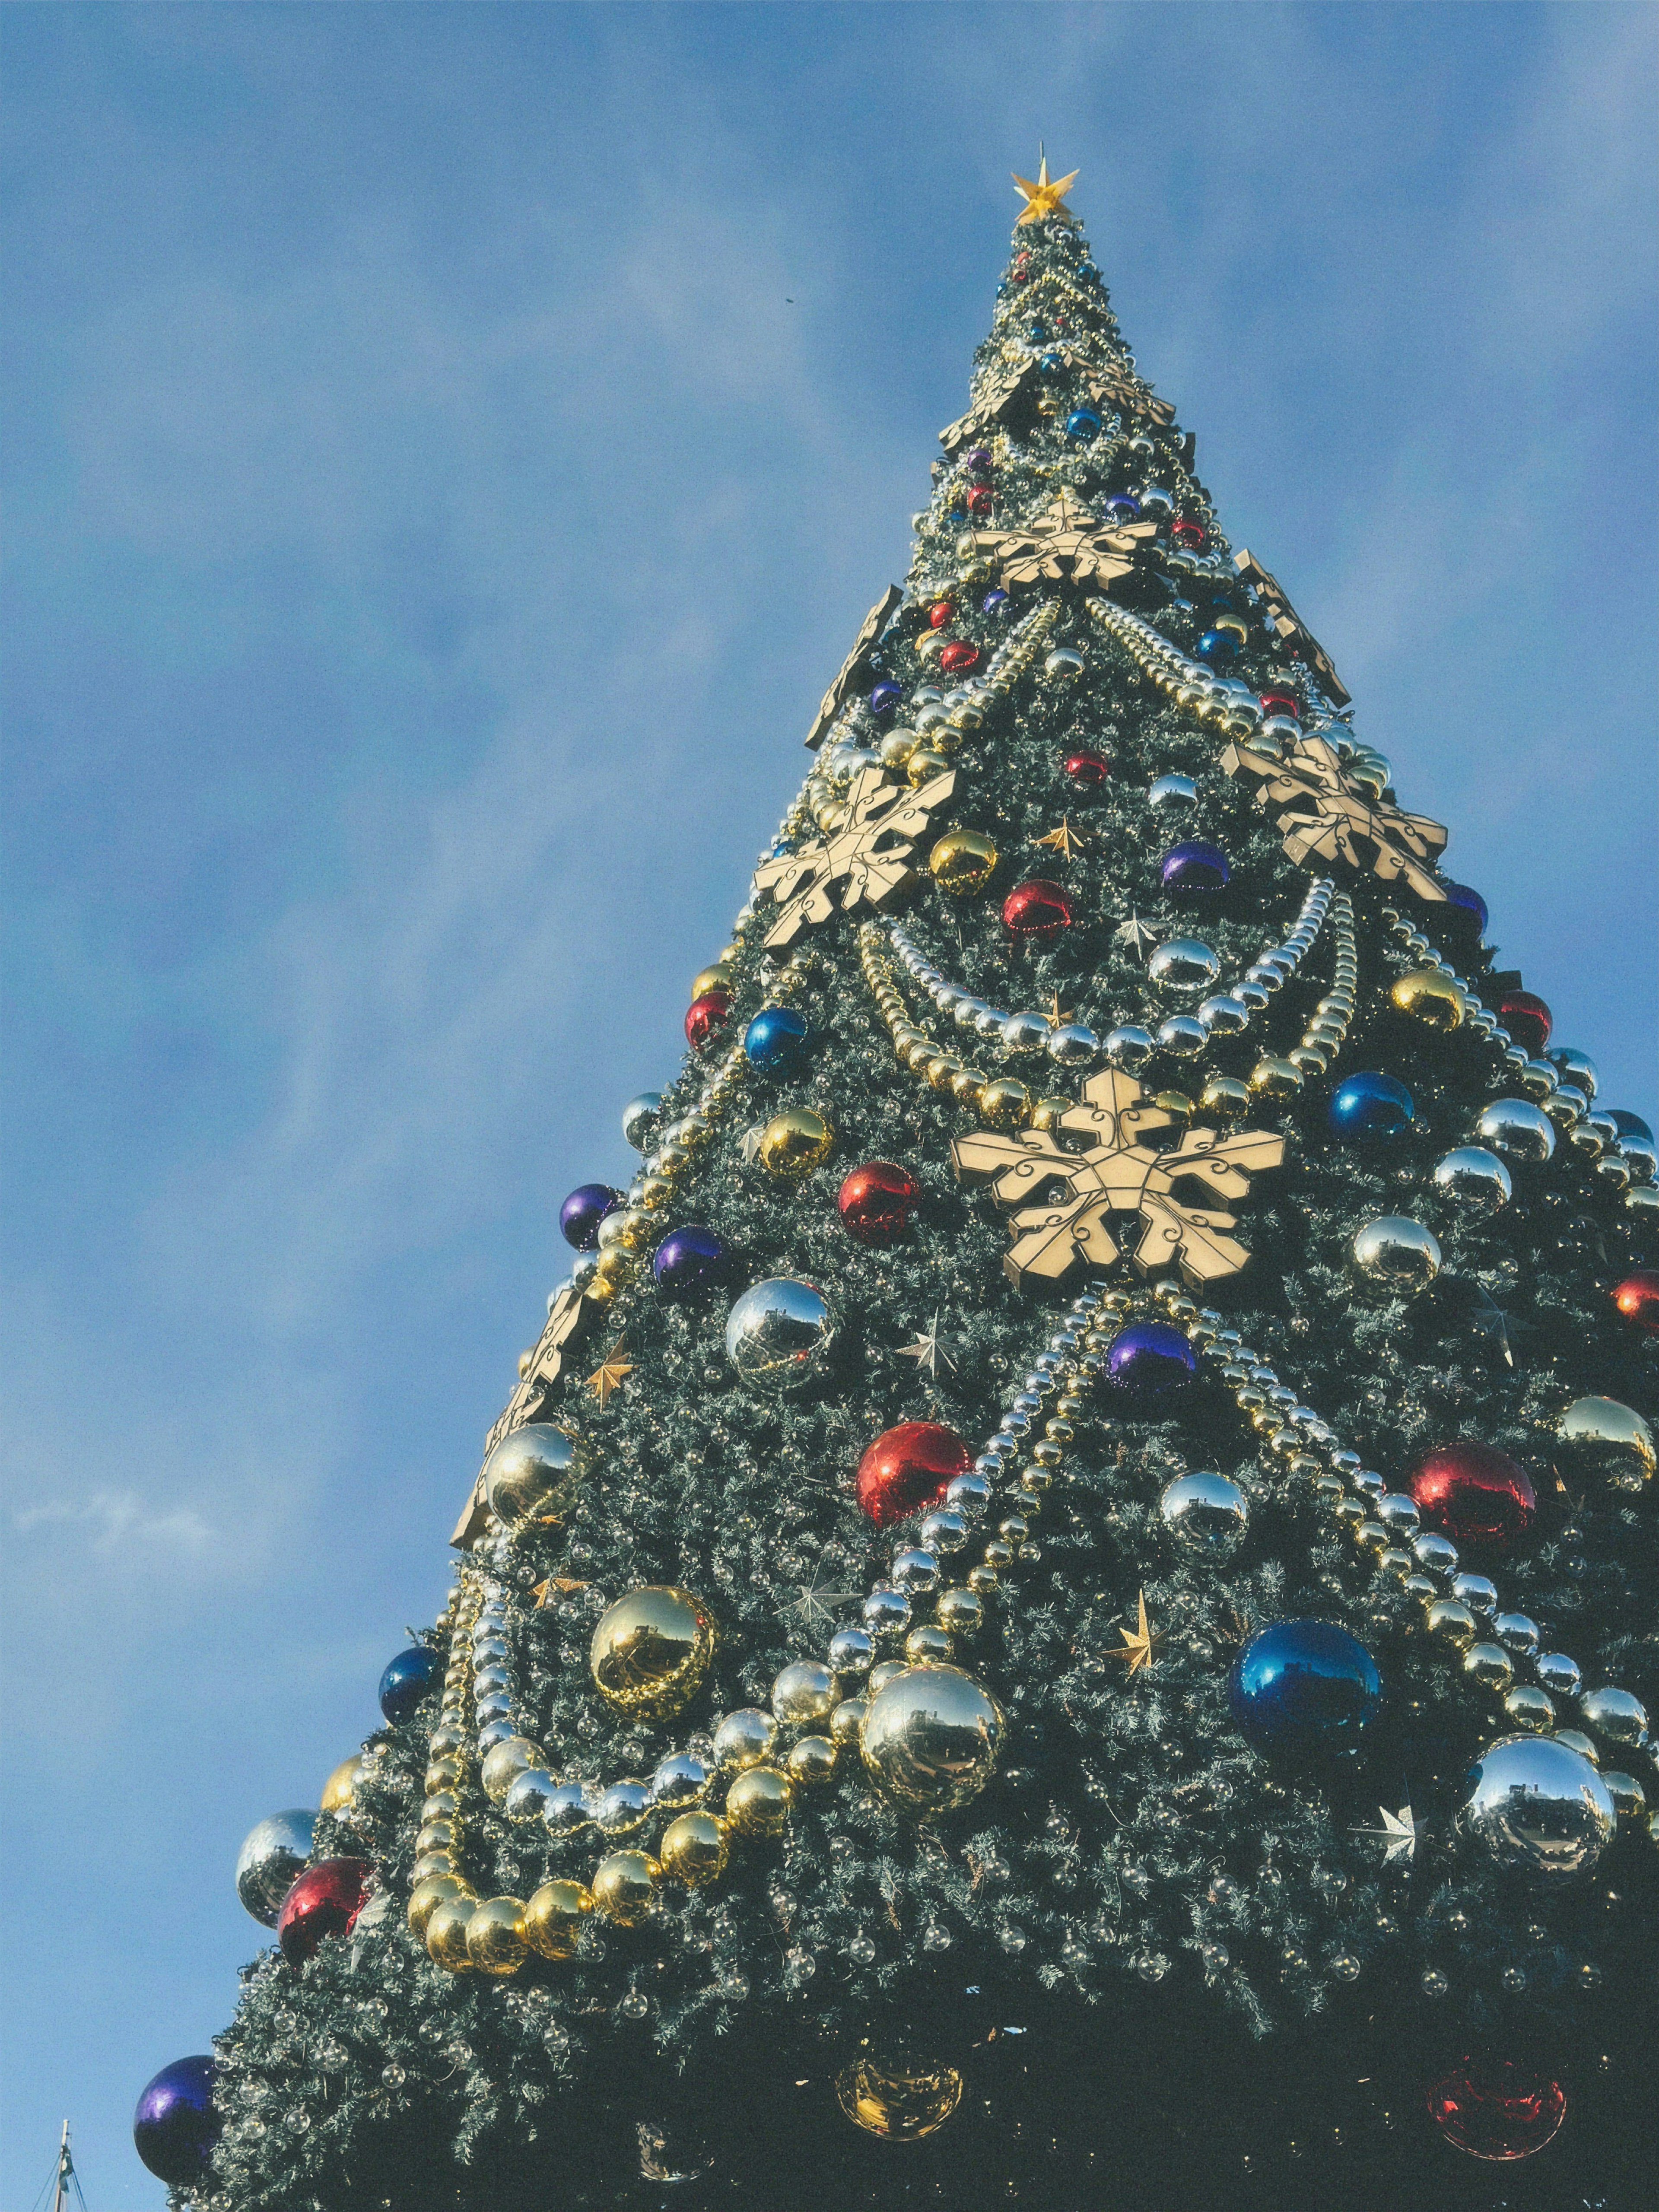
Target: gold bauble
[(1530, 1708), (812, 1761), (1609, 1441), (613, 1269), (1275, 1077), (717, 978), (847, 1718), (804, 1692), (900, 2099), (757, 1803), (652, 1650), (960, 1611), (795, 1142), (554, 1916), (930, 1738), (445, 1933), (429, 1862), (427, 1896), (693, 1850), (1004, 1104), (1397, 1253), (941, 1068), (339, 1791), (1047, 1113), (963, 862), (495, 1936), (923, 765), (966, 1084), (628, 1228), (930, 645), (928, 1645), (625, 1887), (1310, 1059), (1429, 995), (1176, 1104), (1226, 1096), (504, 1762)]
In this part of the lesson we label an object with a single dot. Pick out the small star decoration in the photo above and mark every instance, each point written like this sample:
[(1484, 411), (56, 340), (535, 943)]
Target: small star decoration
[(1047, 196), (1135, 934), (1140, 1642), (1065, 840), (556, 1586), (928, 1351), (815, 1602), (1400, 1833), (1058, 1015), (607, 1375), (751, 1143)]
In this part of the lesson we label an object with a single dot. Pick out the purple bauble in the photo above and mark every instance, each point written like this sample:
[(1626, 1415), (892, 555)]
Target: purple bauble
[(174, 2126), (1151, 1357), (995, 602), (1194, 867), (1122, 507), (1468, 903), (977, 461), (583, 1211), (885, 698), (690, 1259)]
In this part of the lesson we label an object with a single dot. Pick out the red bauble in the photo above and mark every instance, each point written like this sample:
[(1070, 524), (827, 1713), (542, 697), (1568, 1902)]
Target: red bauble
[(1491, 2108), (1021, 269), (705, 1017), (1638, 1299), (325, 1901), (978, 500), (1527, 1018), (1282, 702), (1475, 1494), (960, 659), (1187, 532), (940, 613), (876, 1202), (909, 1467), (1037, 911), (1087, 768)]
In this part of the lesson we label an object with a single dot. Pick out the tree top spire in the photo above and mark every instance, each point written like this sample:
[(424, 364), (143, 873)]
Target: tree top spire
[(1047, 196)]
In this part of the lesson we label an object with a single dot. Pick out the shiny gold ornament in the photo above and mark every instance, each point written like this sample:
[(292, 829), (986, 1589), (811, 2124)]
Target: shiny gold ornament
[(868, 861), (431, 1863), (757, 1803), (1609, 1441), (504, 1762), (651, 1650), (1273, 1078), (1065, 840), (960, 1611), (615, 1269), (1066, 544), (795, 1142), (1139, 1642), (1005, 1104), (1226, 1096), (554, 1916), (1431, 996), (625, 1887), (1397, 1253), (339, 1791), (427, 1896), (930, 1738), (926, 763), (717, 978), (962, 863), (445, 1933), (693, 1850), (812, 1761), (607, 1377), (1044, 200), (1050, 1110), (804, 1692), (927, 1645), (1530, 1707), (899, 2099), (495, 1936)]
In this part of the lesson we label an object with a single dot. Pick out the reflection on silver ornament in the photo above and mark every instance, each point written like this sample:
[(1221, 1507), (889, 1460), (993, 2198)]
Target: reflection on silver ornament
[(1205, 1515), (1398, 1253), (271, 1861), (780, 1335), (1537, 1808), (1473, 1176)]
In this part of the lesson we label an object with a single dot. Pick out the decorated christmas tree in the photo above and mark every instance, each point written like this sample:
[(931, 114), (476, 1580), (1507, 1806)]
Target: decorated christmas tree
[(1064, 1606)]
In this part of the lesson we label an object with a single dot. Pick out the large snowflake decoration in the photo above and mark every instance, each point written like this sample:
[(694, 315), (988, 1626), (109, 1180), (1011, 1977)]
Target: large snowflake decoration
[(1065, 544), (866, 861), (1062, 1200), (1326, 819), (835, 697)]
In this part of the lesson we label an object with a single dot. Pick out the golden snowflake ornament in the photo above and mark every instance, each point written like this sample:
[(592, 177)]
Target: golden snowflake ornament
[(1065, 544), (868, 861), (1328, 820)]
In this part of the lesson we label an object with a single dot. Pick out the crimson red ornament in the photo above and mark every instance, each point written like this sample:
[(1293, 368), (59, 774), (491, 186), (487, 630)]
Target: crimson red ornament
[(705, 1017), (325, 1901), (1475, 1494), (1189, 533), (1282, 702), (1638, 1299), (876, 1202), (909, 1467), (1021, 268), (1086, 768), (959, 659), (978, 500), (1492, 2108), (940, 613), (1527, 1018), (1037, 911)]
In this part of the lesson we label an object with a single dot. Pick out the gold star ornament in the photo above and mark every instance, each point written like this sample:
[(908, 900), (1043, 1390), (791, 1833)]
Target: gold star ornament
[(1047, 196), (607, 1375), (1142, 1641), (1065, 840)]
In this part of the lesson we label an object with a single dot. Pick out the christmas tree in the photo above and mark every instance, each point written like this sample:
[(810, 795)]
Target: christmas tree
[(1065, 1605)]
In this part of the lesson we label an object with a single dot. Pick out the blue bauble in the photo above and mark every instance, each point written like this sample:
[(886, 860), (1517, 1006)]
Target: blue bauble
[(406, 1680), (1194, 866), (1035, 332), (1370, 1106), (1629, 1124), (174, 2126), (690, 1259), (775, 1038), (1217, 645), (583, 1211), (1087, 272), (996, 602), (885, 697), (1122, 507), (1467, 905), (1083, 422), (1304, 1687), (1051, 364), (1149, 1358)]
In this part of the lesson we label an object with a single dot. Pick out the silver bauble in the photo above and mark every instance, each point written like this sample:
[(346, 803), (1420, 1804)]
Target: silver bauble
[(1184, 964), (1474, 1177), (1398, 1253), (780, 1335), (271, 1861), (1518, 1129), (530, 1474), (1537, 1808), (1173, 792), (640, 1118), (1206, 1516), (1577, 1068)]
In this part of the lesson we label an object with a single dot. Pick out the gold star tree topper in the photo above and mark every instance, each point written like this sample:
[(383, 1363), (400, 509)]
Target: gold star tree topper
[(1047, 196)]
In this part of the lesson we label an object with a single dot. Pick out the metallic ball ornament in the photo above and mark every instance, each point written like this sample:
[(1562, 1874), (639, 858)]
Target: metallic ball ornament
[(406, 1680), (775, 1038), (962, 863), (174, 2126), (795, 1142), (1035, 912), (1085, 768), (899, 2098), (640, 1118), (1205, 1516), (1474, 1178), (876, 1201), (582, 1212), (1367, 1108), (1517, 1129), (1397, 1253), (1492, 2108), (1431, 996), (1194, 866), (929, 1739), (1304, 1687), (271, 1860), (1528, 1020), (531, 1473), (1184, 964), (693, 1850), (1609, 1441), (706, 1016), (651, 1650), (554, 1916), (1149, 1358), (446, 1933), (907, 1468), (325, 1901), (1473, 1494), (1537, 1807), (690, 1262), (340, 1790), (780, 1335), (1638, 1299), (495, 1940)]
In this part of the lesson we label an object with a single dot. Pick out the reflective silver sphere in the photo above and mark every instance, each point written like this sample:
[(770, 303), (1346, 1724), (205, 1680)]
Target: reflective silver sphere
[(1518, 1129), (1398, 1253), (640, 1118), (530, 1472), (271, 1861), (1184, 964), (780, 1335), (1128, 1045), (1537, 1808), (1473, 1176), (1182, 1036), (1575, 1068), (1172, 790), (1206, 1516), (1024, 1032)]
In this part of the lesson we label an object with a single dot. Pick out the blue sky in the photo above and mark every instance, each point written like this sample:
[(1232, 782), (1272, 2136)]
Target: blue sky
[(447, 451)]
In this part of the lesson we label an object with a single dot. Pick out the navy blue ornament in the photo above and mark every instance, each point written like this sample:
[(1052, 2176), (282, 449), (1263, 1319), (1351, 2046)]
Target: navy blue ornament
[(1194, 866), (1217, 645), (1149, 1358), (1629, 1124), (775, 1038), (1370, 1106), (1083, 422), (690, 1261), (174, 2126), (406, 1680), (885, 699), (1088, 273), (1035, 332), (1467, 905), (996, 602), (1122, 507), (1306, 1689), (1051, 364), (583, 1211)]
